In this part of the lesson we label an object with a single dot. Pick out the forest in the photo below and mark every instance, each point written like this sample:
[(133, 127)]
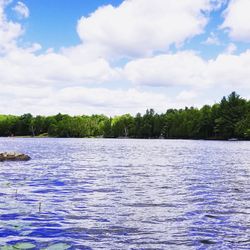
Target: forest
[(228, 119)]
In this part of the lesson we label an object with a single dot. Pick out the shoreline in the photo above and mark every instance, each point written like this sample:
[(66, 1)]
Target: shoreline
[(128, 138)]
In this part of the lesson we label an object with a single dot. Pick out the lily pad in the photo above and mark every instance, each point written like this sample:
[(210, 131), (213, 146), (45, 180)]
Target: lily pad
[(24, 246), (58, 246), (7, 248)]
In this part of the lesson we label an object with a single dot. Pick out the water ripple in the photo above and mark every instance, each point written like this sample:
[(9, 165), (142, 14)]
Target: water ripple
[(125, 194)]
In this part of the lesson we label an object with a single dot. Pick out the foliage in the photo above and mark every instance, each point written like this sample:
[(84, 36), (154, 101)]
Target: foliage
[(228, 119)]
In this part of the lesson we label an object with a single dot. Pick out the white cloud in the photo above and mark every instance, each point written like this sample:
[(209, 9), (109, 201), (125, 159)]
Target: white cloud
[(52, 83), (120, 100), (231, 48), (237, 20), (9, 31), (141, 27), (67, 81), (22, 10), (181, 69), (23, 67), (186, 95), (212, 40), (80, 100), (231, 70), (189, 69)]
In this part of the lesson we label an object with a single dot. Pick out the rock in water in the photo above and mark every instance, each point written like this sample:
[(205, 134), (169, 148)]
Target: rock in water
[(14, 157)]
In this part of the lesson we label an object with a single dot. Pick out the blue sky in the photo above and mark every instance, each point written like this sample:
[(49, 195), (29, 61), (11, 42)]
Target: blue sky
[(114, 57), (53, 22)]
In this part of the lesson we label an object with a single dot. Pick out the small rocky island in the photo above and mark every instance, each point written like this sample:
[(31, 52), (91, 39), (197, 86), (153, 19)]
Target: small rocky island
[(14, 156)]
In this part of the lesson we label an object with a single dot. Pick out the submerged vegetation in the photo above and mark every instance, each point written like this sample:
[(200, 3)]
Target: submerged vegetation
[(228, 119)]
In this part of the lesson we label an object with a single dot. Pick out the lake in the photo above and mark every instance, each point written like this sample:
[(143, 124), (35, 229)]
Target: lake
[(125, 194)]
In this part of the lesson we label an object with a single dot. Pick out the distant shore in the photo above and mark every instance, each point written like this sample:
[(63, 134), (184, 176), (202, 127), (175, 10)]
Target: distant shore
[(125, 138), (229, 119)]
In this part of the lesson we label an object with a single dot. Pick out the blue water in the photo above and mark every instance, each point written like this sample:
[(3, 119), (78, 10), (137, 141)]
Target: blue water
[(126, 194)]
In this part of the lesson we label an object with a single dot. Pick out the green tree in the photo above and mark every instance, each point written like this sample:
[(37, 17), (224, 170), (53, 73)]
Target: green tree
[(231, 110)]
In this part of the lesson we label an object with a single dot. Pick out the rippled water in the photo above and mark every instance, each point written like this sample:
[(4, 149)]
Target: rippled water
[(126, 194)]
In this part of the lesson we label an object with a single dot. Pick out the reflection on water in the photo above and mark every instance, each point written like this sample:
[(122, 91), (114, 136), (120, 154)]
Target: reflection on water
[(125, 194)]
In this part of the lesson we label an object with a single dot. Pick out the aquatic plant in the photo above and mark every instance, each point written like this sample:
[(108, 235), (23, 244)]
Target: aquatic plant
[(20, 246)]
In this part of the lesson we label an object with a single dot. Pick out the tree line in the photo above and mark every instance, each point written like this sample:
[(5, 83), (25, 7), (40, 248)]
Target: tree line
[(228, 119)]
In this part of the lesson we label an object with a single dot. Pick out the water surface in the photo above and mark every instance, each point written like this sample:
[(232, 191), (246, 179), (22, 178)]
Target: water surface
[(126, 194)]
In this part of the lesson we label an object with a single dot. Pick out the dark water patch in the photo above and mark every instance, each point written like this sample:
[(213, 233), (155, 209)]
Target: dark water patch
[(5, 232), (8, 217), (207, 242)]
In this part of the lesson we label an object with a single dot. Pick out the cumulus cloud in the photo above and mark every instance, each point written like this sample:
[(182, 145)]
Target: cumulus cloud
[(9, 31), (141, 27), (212, 40), (24, 67), (186, 95), (80, 100), (100, 98), (231, 48), (22, 10), (189, 69), (85, 78), (237, 20), (180, 69), (231, 70)]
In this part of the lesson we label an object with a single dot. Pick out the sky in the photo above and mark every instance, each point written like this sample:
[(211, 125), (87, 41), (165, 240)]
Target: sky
[(114, 57)]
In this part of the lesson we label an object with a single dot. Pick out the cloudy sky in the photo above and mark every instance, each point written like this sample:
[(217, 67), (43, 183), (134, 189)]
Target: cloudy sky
[(115, 57)]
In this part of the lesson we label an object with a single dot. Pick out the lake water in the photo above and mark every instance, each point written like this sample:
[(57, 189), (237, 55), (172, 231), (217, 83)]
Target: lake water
[(125, 194)]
